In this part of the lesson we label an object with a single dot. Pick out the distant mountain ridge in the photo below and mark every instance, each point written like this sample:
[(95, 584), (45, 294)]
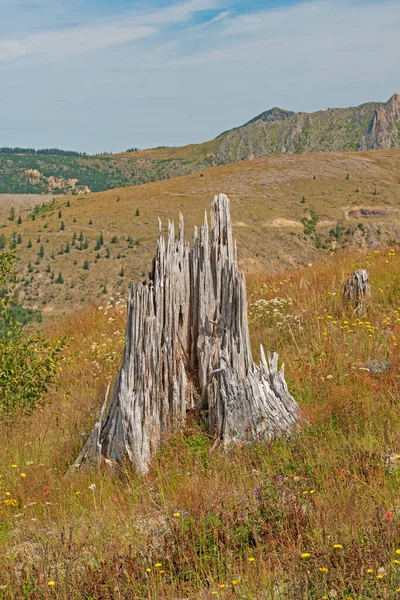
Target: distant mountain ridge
[(370, 126)]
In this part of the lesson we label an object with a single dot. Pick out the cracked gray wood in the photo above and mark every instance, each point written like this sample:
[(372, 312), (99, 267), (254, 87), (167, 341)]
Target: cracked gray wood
[(357, 290), (187, 348)]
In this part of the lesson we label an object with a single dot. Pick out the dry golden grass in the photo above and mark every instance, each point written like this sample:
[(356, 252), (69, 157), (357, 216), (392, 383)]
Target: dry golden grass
[(192, 152), (267, 208), (256, 523)]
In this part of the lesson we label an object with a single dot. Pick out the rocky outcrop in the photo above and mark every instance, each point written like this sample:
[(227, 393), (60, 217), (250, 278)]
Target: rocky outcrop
[(383, 131), (56, 184)]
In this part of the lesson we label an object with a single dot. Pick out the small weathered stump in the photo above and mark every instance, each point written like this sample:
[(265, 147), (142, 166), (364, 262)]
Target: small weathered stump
[(357, 290), (188, 349)]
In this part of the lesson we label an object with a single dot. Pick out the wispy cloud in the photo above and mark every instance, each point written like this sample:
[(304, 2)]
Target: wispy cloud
[(131, 26), (55, 44)]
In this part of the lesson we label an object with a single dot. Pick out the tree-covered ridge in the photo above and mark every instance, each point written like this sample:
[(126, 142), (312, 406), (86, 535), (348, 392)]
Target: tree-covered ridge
[(61, 174), (44, 151)]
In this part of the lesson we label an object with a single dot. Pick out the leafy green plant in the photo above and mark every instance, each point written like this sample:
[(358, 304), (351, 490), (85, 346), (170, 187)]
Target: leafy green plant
[(28, 363)]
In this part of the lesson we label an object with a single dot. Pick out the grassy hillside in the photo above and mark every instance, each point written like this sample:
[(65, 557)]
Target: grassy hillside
[(287, 210), (369, 126), (315, 517)]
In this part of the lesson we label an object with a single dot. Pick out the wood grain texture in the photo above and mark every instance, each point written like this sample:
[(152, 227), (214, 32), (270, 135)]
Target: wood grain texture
[(188, 348), (357, 291)]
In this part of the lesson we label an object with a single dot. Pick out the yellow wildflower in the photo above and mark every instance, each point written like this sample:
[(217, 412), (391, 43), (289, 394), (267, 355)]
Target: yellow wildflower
[(157, 565), (305, 555), (177, 514), (379, 576), (51, 583), (323, 569), (235, 581), (23, 474), (337, 546), (398, 549), (222, 585), (148, 570), (251, 559), (370, 570)]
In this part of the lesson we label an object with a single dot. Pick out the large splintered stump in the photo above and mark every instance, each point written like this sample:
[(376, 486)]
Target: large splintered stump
[(187, 348)]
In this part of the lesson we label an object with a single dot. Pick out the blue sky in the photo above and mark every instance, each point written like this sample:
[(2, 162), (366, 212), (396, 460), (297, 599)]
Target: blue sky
[(98, 75)]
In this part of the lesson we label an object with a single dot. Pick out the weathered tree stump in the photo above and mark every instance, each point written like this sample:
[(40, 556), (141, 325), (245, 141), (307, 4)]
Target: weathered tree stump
[(357, 290), (188, 348)]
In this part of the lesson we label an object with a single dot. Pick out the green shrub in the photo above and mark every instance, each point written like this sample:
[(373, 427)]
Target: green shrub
[(28, 362), (310, 224)]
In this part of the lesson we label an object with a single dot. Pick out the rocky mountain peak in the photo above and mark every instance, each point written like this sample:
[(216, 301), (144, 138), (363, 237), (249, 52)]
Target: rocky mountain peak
[(383, 130)]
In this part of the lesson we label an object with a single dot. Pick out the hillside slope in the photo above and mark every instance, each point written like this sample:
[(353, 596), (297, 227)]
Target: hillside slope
[(371, 126), (286, 210)]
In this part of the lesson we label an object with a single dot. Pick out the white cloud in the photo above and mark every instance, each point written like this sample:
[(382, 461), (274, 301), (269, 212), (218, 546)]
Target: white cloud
[(154, 77)]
